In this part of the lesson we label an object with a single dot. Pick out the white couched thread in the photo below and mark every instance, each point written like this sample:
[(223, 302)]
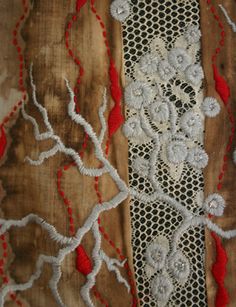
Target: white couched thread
[(101, 112), (112, 267), (228, 19), (90, 223)]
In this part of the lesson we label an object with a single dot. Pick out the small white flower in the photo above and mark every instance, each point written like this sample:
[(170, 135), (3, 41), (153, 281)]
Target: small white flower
[(138, 94), (210, 107), (191, 123), (197, 157), (159, 111), (156, 255), (179, 58), (120, 9), (194, 74), (214, 204), (149, 63), (176, 152), (132, 127), (179, 266), (161, 288), (192, 34), (166, 71), (141, 166)]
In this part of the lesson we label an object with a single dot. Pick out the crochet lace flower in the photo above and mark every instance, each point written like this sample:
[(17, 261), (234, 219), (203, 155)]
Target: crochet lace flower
[(179, 58), (210, 107), (138, 94), (149, 63), (120, 9)]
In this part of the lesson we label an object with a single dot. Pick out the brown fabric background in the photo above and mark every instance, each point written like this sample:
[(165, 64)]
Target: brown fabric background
[(33, 189), (216, 138)]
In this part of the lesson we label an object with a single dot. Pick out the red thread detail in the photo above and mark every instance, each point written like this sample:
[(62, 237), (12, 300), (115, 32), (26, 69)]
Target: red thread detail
[(79, 4), (115, 119), (221, 86), (83, 262), (219, 272), (3, 142)]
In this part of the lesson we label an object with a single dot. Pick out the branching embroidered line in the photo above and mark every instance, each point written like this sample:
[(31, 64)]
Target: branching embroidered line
[(91, 221), (230, 22)]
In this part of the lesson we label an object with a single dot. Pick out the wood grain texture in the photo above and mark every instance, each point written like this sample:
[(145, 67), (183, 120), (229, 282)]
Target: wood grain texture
[(216, 138), (34, 189)]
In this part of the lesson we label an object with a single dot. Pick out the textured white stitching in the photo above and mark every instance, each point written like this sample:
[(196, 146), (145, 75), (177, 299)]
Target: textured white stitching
[(230, 22)]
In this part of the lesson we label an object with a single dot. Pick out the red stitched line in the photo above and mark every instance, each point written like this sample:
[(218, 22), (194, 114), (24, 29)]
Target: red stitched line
[(15, 42), (96, 185), (228, 108), (66, 167), (221, 86)]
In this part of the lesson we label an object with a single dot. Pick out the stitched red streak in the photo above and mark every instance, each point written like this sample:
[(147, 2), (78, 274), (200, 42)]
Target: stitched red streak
[(115, 120), (222, 88), (219, 272), (3, 140)]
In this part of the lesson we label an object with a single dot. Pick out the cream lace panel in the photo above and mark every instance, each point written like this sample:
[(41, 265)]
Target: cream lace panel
[(165, 125)]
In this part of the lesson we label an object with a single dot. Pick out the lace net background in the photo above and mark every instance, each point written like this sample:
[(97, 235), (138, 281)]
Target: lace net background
[(166, 19)]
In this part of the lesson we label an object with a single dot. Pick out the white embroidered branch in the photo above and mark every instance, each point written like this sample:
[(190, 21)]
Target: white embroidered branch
[(90, 224), (230, 22)]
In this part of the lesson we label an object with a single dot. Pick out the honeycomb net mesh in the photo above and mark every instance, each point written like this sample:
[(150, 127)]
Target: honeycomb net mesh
[(166, 19)]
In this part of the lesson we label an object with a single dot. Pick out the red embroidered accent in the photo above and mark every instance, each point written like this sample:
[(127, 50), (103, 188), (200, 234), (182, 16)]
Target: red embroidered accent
[(3, 142), (115, 118), (98, 296), (221, 86), (83, 262), (79, 4), (219, 272)]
